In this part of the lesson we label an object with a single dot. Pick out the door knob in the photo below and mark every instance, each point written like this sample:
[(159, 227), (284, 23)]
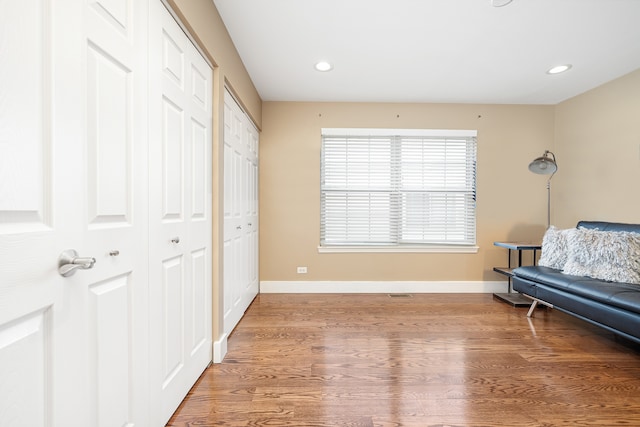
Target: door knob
[(69, 262)]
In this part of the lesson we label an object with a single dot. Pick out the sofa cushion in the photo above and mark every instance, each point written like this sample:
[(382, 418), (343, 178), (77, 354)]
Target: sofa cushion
[(622, 295), (554, 248), (607, 255)]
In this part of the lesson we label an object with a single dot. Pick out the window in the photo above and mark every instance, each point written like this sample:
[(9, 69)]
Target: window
[(398, 188)]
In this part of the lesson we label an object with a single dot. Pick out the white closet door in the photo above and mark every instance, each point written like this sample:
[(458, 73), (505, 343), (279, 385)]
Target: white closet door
[(115, 228), (180, 213), (72, 145), (240, 213), (251, 141), (32, 292)]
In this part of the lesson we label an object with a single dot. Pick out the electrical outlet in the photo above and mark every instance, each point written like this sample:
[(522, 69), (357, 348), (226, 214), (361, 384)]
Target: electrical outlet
[(302, 270)]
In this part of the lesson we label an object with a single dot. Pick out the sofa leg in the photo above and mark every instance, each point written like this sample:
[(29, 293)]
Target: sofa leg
[(532, 308), (534, 304)]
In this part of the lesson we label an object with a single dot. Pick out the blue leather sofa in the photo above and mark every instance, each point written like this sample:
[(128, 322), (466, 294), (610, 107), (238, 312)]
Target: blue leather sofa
[(613, 306)]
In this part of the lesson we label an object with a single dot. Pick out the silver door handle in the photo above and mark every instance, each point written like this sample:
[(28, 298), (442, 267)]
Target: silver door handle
[(69, 262)]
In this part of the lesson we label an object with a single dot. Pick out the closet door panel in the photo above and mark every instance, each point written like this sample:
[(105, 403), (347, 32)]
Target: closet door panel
[(179, 213), (240, 213), (172, 143)]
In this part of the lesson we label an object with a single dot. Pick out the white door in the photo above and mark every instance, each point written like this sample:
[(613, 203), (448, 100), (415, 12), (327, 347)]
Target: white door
[(180, 107), (31, 291), (234, 249), (240, 213), (251, 286), (115, 209), (72, 176)]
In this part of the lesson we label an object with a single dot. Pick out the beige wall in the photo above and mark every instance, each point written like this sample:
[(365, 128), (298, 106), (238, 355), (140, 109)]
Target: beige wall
[(511, 200), (598, 151), (592, 136)]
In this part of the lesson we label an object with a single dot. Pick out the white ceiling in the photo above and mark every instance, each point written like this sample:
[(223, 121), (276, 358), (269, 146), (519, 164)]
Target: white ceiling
[(458, 51)]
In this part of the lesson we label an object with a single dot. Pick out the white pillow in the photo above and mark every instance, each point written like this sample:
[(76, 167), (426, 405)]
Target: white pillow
[(613, 256), (554, 248)]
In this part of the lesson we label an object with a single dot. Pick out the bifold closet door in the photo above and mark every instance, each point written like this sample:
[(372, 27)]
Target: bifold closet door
[(179, 213), (240, 282)]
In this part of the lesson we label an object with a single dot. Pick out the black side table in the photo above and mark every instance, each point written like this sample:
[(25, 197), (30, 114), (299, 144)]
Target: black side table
[(514, 298)]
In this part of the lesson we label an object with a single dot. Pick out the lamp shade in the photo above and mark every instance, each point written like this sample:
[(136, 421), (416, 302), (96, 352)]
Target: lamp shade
[(545, 165)]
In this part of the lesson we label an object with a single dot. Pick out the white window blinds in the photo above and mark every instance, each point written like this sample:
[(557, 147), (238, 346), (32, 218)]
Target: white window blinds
[(397, 187)]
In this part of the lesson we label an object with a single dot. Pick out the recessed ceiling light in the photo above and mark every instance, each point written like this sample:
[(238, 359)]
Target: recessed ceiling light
[(559, 69), (500, 3), (324, 66)]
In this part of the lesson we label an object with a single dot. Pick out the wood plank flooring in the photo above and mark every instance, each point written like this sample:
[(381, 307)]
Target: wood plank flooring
[(425, 360)]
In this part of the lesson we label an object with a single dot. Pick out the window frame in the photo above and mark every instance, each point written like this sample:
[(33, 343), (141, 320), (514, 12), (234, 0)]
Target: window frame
[(397, 136)]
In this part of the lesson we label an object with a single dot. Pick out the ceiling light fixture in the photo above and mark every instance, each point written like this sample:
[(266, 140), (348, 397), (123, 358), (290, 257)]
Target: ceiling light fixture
[(324, 66), (559, 69), (500, 3)]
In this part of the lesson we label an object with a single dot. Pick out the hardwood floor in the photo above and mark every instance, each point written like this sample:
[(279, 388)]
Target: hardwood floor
[(424, 360)]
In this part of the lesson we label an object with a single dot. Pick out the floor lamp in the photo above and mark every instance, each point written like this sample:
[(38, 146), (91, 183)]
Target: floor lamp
[(546, 165)]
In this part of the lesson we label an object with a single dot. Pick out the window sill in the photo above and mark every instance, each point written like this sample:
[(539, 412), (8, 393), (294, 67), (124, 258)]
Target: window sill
[(399, 249)]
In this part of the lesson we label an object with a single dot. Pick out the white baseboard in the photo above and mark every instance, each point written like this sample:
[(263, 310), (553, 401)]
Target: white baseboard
[(220, 349), (338, 287)]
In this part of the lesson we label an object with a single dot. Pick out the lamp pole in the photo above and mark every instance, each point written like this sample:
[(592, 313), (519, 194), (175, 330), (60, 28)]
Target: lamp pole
[(549, 201)]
